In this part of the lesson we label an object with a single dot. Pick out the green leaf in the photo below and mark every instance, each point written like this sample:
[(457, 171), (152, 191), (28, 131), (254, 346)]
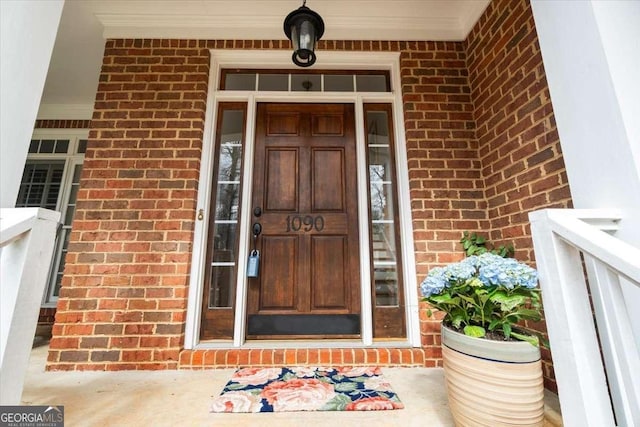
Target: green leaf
[(456, 320), (468, 299), (440, 299), (480, 240), (479, 290), (506, 329), (531, 339), (429, 312), (474, 331), (508, 302), (526, 313)]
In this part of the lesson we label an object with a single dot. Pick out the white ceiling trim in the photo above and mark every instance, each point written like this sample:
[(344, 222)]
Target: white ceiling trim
[(256, 27), (475, 11), (332, 60), (65, 112)]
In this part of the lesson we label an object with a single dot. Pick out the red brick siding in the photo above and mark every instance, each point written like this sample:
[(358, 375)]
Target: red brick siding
[(519, 148), (226, 358), (123, 299), (46, 317), (444, 171)]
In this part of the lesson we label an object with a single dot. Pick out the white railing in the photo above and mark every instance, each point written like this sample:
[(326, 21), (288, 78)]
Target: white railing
[(568, 242), (27, 238)]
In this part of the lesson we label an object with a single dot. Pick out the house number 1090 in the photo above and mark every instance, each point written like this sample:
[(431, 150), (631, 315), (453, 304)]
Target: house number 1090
[(306, 223)]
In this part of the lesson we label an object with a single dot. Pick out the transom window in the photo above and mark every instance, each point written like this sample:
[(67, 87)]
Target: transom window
[(319, 81)]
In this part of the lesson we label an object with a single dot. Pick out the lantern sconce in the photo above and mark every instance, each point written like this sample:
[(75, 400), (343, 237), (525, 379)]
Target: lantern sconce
[(303, 27)]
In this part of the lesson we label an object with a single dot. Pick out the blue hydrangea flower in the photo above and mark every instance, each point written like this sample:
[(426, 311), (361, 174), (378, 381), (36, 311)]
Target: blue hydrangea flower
[(505, 272), (434, 283), (460, 271), (490, 269)]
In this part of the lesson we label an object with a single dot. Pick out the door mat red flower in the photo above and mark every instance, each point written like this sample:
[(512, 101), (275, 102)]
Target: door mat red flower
[(306, 389)]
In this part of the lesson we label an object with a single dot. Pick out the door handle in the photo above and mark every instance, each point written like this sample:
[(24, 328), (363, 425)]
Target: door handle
[(257, 229), (257, 211)]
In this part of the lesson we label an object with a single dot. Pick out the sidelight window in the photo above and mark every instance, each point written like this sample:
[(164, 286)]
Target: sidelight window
[(224, 239), (222, 248), (386, 274)]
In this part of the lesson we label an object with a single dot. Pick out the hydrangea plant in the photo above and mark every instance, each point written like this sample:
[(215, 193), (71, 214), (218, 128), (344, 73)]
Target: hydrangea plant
[(485, 293)]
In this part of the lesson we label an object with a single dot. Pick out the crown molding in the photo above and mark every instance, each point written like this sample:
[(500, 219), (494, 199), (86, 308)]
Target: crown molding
[(269, 27), (475, 11), (333, 59)]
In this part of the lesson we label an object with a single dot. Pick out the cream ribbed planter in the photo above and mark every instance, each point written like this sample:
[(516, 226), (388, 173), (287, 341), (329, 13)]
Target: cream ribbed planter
[(492, 383)]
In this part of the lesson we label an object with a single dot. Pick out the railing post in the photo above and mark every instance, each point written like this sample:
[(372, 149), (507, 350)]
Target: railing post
[(27, 240), (616, 337), (582, 386)]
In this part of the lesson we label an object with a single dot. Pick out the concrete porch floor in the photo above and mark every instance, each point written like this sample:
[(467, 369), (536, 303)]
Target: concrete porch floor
[(171, 398)]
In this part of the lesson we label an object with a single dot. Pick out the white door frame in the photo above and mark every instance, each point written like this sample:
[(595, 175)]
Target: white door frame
[(281, 59)]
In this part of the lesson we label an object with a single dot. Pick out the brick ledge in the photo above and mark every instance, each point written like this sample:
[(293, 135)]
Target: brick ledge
[(256, 357)]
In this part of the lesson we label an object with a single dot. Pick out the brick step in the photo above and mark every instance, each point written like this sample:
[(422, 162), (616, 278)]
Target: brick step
[(258, 357)]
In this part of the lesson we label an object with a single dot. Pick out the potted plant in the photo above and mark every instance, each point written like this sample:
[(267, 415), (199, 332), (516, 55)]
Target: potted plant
[(492, 369)]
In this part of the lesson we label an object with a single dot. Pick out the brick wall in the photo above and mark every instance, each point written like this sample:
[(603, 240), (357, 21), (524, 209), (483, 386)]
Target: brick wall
[(519, 149), (123, 298), (444, 169), (46, 318)]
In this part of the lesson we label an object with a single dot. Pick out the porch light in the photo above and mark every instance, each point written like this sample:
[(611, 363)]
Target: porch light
[(303, 27)]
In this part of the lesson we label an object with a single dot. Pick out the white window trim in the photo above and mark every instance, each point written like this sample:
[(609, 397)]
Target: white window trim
[(71, 159), (281, 59)]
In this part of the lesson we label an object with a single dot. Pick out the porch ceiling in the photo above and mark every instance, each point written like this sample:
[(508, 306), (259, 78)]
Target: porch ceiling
[(77, 55)]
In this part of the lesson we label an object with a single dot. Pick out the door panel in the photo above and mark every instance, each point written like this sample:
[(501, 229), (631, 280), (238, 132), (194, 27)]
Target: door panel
[(328, 188), (327, 124), (328, 272), (278, 290), (305, 186), (283, 123), (281, 180)]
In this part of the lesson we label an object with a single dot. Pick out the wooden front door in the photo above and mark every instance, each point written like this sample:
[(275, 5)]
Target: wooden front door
[(305, 199)]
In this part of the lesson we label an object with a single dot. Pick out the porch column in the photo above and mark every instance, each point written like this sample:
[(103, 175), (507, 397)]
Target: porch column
[(591, 54), (28, 32)]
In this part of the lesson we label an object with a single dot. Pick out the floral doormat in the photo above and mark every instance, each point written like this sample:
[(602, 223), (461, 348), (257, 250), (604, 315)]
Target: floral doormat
[(306, 389)]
